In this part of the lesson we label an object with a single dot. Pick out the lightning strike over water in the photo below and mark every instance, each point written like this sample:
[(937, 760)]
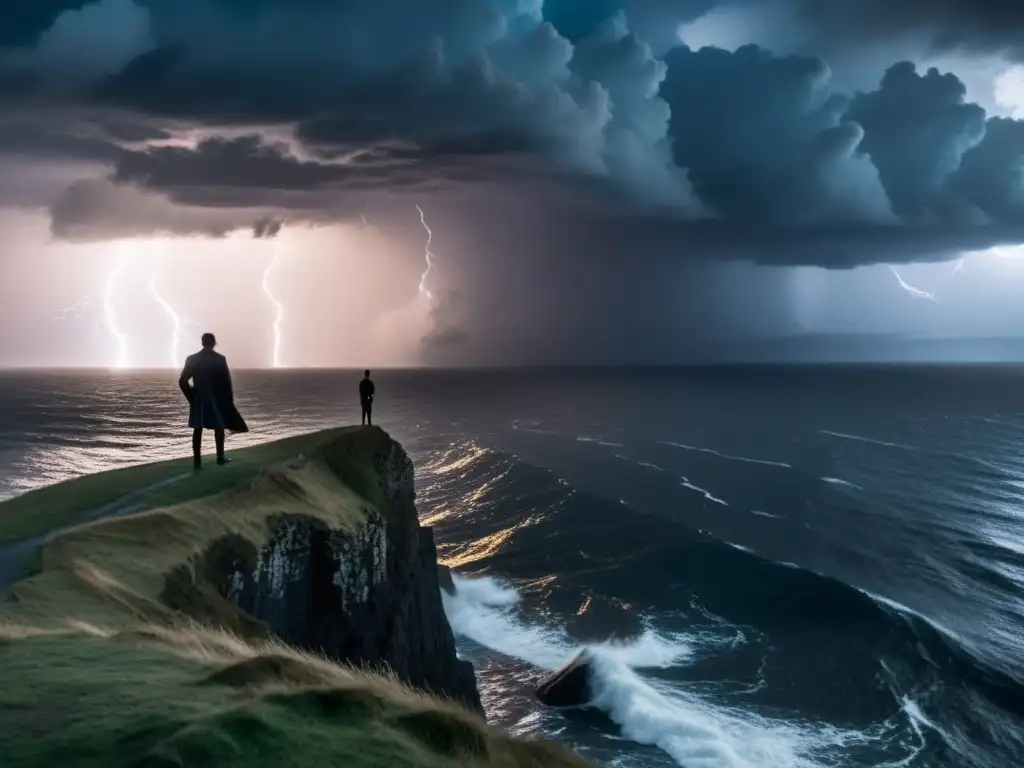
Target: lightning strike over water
[(917, 293), (110, 316), (429, 257), (172, 315), (279, 308)]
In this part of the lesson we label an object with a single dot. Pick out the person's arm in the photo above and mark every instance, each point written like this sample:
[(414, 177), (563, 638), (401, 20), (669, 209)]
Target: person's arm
[(183, 380), (373, 390)]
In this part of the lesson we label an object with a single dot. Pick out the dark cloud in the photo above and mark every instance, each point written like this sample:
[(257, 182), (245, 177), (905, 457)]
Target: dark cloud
[(971, 24), (248, 161), (21, 24), (916, 130), (765, 141), (991, 173), (235, 111), (96, 209), (50, 140), (266, 228), (654, 21)]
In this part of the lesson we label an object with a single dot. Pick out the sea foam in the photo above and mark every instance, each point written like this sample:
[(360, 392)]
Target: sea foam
[(693, 731)]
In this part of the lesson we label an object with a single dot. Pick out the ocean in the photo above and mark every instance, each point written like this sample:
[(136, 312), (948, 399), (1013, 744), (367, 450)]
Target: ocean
[(773, 567)]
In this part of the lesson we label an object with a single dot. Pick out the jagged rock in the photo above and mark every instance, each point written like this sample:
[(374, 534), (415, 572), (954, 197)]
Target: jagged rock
[(444, 578), (568, 686), (369, 597)]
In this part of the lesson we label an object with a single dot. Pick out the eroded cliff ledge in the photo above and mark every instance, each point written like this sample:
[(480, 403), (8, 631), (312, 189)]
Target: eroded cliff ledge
[(364, 596), (361, 588)]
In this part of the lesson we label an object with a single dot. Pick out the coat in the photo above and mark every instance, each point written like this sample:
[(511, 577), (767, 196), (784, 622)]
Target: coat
[(210, 394)]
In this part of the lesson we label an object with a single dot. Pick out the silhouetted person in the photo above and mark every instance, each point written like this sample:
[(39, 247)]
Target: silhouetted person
[(211, 399), (366, 393)]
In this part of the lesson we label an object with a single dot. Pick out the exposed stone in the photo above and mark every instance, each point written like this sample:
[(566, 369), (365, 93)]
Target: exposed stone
[(369, 597), (568, 686)]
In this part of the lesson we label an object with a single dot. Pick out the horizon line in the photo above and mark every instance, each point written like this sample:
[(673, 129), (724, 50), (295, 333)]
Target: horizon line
[(536, 366)]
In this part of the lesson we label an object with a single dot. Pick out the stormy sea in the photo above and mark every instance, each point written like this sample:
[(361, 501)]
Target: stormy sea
[(772, 567)]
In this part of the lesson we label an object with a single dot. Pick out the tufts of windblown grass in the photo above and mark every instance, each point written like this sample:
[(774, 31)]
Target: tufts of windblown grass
[(121, 651), (153, 696)]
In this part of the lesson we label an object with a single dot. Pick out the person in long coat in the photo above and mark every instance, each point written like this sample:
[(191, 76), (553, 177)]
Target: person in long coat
[(211, 399)]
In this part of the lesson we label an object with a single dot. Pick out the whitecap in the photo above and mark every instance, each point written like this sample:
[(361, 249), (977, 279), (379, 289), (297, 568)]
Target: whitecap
[(728, 456), (840, 481), (694, 732)]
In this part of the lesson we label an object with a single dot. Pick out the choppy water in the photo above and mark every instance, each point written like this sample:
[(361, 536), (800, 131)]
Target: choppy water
[(820, 566)]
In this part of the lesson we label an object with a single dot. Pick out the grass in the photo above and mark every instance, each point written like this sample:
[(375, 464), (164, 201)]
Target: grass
[(155, 698), (121, 650), (50, 508)]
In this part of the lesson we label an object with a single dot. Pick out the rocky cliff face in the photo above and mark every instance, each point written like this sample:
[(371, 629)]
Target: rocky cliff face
[(367, 597)]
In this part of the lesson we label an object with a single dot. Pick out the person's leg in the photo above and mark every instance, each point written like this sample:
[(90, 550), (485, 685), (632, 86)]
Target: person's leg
[(363, 407), (197, 447), (218, 439), (369, 415)]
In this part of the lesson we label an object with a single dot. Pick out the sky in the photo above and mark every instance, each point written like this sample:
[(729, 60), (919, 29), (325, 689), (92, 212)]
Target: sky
[(484, 182)]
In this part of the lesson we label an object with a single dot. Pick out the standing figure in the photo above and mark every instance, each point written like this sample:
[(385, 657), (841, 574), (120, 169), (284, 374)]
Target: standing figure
[(366, 393), (211, 399)]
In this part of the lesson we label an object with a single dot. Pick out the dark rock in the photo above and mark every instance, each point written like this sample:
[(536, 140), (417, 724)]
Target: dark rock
[(369, 598), (444, 578), (568, 686)]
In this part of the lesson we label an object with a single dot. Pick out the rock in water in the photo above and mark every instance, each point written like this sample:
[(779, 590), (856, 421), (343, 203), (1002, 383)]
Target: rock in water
[(568, 686)]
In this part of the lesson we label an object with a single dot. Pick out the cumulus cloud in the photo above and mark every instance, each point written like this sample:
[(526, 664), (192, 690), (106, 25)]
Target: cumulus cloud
[(991, 173), (211, 114), (765, 140), (94, 40), (917, 128)]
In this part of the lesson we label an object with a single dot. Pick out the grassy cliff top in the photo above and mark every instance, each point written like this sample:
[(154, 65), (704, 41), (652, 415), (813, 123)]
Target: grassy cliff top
[(119, 651), (164, 483)]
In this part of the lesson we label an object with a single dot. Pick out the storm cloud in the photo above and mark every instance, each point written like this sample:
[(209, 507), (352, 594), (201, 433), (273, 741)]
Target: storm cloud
[(307, 101), (209, 116), (972, 24)]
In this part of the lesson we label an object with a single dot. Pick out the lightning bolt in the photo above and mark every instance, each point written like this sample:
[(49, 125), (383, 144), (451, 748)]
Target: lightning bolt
[(172, 315), (279, 315), (110, 315), (428, 256), (917, 293), (961, 266)]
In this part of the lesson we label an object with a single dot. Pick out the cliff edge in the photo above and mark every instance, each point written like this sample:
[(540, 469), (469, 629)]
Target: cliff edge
[(287, 612)]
